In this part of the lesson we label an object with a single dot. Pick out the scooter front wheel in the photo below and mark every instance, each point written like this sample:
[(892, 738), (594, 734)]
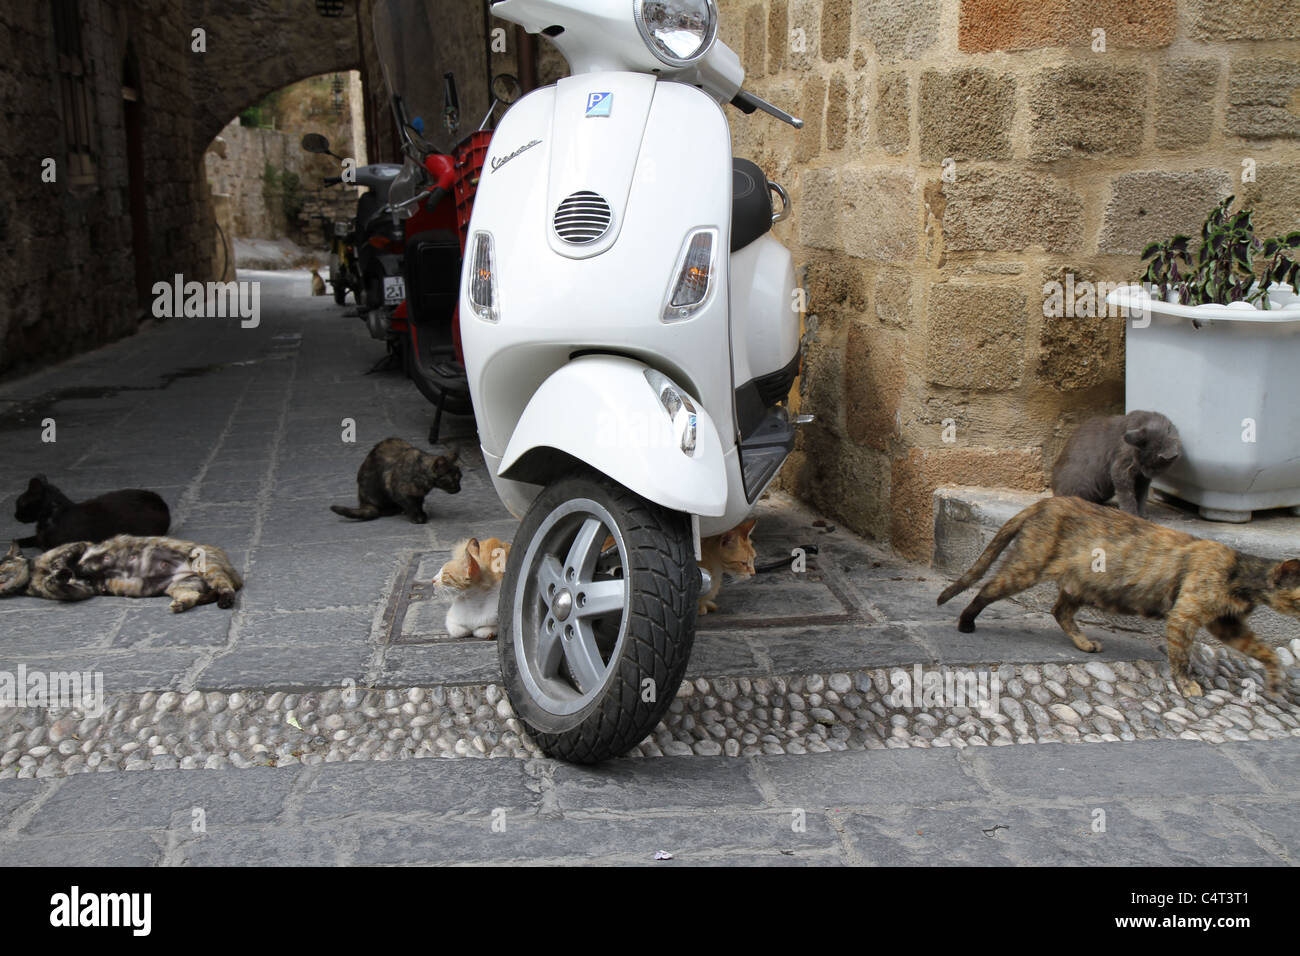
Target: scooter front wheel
[(597, 617)]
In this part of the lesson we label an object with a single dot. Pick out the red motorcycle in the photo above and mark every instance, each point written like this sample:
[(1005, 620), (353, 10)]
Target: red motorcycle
[(433, 195)]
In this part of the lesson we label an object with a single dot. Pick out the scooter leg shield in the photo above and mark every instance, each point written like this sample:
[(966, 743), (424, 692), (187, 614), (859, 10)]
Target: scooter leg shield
[(605, 411)]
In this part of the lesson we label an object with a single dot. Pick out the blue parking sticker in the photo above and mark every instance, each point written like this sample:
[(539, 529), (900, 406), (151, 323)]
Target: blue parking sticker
[(598, 104)]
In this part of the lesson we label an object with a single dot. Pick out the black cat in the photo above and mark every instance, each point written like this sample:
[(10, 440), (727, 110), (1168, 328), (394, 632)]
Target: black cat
[(60, 520)]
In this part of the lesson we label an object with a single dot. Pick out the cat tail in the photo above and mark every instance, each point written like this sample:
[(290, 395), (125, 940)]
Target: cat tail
[(999, 543), (364, 513)]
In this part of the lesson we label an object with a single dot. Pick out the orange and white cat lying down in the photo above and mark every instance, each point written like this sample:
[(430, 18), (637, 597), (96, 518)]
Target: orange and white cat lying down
[(474, 573)]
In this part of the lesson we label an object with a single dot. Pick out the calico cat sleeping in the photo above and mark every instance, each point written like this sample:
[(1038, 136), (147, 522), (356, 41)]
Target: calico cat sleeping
[(59, 520), (730, 551), (1104, 558), (394, 479), (125, 566), (474, 573)]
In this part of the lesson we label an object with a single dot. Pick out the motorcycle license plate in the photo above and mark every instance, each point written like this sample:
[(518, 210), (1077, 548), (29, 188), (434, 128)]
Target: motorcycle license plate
[(394, 290), (340, 228)]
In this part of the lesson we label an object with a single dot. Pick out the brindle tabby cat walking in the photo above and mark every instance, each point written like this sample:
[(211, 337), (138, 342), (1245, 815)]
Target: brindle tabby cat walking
[(126, 566), (394, 479), (1104, 558)]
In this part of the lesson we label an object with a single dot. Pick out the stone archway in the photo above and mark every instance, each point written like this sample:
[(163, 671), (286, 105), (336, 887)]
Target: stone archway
[(254, 48)]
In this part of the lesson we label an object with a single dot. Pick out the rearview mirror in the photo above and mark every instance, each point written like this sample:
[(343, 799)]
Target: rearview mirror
[(315, 143)]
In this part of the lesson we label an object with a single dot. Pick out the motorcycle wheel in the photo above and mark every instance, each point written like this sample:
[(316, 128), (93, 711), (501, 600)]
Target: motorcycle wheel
[(593, 642), (337, 284)]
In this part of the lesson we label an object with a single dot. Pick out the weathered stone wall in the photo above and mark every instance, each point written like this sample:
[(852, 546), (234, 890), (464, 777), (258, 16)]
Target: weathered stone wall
[(237, 159), (459, 45), (239, 175), (67, 266), (926, 291)]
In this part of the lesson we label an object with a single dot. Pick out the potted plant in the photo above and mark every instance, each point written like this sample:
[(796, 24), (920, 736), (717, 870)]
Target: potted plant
[(1214, 344)]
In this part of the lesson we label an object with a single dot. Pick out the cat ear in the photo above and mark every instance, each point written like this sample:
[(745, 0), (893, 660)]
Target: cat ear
[(1135, 437), (454, 456), (472, 546), (14, 550), (747, 527), (473, 565), (1287, 574), (37, 483)]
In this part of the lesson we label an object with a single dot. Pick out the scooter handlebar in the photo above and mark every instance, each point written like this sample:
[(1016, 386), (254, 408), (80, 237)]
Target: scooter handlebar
[(331, 180), (747, 103), (433, 196)]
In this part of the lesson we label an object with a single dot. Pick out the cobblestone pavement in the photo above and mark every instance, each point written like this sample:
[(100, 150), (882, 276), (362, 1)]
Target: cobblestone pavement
[(807, 742)]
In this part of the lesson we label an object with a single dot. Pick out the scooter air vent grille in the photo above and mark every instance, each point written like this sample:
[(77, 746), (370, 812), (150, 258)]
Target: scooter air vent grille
[(583, 218)]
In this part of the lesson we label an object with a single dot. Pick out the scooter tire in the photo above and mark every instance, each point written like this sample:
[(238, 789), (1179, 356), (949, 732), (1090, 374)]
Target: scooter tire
[(658, 562)]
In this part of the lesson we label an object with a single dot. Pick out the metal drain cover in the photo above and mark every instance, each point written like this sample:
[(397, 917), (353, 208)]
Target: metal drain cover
[(417, 610)]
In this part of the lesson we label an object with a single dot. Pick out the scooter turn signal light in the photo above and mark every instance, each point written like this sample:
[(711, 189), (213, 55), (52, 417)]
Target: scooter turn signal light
[(482, 283), (694, 276)]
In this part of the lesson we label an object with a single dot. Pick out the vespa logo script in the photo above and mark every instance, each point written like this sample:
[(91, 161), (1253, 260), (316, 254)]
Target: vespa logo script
[(500, 161)]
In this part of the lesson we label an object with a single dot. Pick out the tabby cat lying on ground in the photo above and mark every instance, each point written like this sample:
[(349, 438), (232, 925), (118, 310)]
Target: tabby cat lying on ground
[(1104, 558), (394, 479), (59, 520), (474, 574), (126, 566), (730, 551)]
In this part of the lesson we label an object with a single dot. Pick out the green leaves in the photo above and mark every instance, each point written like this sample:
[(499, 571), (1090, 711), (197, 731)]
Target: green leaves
[(1223, 269)]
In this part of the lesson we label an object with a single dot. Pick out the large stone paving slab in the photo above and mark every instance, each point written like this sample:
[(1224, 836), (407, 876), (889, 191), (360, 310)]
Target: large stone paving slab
[(875, 808)]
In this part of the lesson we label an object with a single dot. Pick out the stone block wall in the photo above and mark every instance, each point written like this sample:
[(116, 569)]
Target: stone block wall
[(957, 156), (66, 260)]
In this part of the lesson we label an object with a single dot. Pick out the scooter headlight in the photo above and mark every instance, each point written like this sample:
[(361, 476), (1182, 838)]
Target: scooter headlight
[(482, 279), (678, 32)]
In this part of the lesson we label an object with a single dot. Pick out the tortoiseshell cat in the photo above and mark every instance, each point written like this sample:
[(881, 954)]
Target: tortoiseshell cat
[(474, 573), (59, 520), (394, 479), (125, 566), (730, 551), (1104, 558)]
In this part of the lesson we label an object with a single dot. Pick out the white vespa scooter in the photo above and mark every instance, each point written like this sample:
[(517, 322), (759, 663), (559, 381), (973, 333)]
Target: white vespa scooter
[(629, 335)]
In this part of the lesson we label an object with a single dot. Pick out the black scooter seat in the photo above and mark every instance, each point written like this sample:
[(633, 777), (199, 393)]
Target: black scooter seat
[(751, 204)]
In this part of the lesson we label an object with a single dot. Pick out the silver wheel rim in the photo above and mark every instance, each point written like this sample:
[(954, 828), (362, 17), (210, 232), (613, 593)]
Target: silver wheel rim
[(571, 607)]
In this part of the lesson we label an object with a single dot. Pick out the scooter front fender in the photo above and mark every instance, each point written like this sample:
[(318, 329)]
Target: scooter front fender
[(603, 411)]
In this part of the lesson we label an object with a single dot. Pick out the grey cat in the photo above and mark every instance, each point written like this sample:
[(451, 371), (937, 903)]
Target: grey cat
[(1117, 456)]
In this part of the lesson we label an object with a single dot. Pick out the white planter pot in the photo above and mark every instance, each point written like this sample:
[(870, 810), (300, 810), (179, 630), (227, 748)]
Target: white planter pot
[(1224, 375)]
